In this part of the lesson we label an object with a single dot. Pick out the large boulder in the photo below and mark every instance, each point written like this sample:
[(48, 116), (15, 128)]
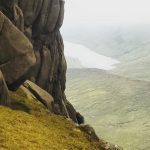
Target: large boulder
[(35, 92), (16, 53)]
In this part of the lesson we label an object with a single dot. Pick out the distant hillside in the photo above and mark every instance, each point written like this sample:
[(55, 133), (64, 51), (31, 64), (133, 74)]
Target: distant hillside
[(79, 56), (113, 41), (73, 63), (137, 69), (135, 63), (117, 107), (128, 44)]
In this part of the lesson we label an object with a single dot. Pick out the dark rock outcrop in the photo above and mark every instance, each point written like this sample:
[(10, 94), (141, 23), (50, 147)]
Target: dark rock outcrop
[(4, 96), (90, 131), (16, 53), (45, 98), (16, 58), (40, 21)]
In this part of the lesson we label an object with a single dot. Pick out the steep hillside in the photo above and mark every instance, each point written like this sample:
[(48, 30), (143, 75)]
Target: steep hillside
[(28, 125), (117, 107)]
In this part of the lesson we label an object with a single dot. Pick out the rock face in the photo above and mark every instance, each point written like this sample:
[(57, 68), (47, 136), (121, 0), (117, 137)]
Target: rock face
[(16, 57), (35, 92), (40, 21), (16, 52), (4, 96)]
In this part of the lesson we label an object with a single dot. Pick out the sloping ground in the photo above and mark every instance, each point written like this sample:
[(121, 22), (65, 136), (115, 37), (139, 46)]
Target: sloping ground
[(135, 63), (136, 69), (28, 125), (117, 107)]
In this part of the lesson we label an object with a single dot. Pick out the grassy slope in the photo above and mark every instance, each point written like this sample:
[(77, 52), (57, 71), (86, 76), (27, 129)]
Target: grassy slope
[(29, 126), (135, 63), (117, 107), (136, 69)]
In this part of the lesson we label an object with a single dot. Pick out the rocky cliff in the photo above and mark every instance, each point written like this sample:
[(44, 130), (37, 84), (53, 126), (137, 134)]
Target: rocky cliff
[(31, 47), (38, 23)]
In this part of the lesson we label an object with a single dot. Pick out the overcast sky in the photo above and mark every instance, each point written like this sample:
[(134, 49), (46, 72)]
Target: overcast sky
[(106, 12)]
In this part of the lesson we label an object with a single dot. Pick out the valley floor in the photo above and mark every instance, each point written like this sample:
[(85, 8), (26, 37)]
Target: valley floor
[(117, 107)]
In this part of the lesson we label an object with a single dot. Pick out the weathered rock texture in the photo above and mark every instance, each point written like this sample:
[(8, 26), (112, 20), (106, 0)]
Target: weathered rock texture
[(35, 92), (16, 57), (4, 96), (40, 21)]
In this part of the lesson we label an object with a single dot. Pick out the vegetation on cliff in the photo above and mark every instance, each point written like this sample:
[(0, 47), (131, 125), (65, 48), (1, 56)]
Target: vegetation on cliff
[(28, 125)]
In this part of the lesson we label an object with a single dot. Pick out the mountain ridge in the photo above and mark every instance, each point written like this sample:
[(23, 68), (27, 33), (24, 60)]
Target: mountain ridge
[(127, 44)]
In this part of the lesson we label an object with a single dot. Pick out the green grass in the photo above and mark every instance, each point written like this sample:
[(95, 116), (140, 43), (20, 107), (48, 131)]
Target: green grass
[(117, 107), (28, 125), (135, 69)]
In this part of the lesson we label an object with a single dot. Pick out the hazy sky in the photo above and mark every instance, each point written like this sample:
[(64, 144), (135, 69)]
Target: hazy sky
[(105, 12)]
